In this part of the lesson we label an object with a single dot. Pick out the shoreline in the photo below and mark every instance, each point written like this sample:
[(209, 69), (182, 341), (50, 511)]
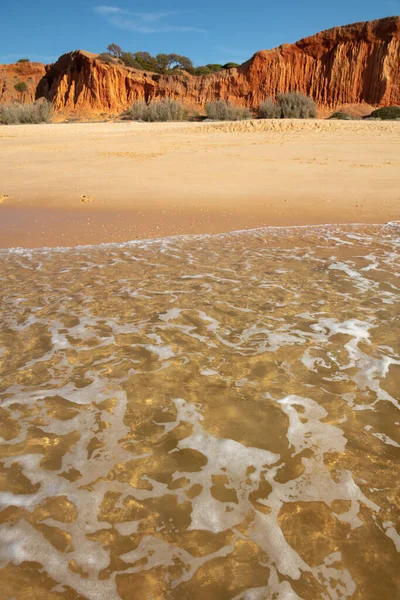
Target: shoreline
[(98, 183), (61, 228), (191, 236)]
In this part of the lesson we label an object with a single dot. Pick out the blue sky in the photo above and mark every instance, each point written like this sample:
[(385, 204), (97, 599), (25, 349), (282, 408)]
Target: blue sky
[(212, 31)]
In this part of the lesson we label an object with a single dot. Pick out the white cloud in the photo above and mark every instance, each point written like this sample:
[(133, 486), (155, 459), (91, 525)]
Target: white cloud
[(142, 22), (107, 10)]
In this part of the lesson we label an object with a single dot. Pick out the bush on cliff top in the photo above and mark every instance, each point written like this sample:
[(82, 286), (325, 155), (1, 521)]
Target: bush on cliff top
[(163, 110), (387, 113), (164, 64), (15, 113), (226, 111), (105, 57)]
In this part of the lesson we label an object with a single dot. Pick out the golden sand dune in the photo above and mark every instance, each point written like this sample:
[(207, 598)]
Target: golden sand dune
[(297, 125)]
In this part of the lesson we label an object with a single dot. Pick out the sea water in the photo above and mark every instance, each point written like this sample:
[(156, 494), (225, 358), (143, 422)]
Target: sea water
[(206, 417)]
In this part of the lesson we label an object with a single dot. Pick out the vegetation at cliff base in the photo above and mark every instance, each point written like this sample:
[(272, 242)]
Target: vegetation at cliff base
[(292, 105), (162, 110), (226, 111), (387, 113), (164, 64), (16, 113), (340, 116), (295, 105), (269, 109)]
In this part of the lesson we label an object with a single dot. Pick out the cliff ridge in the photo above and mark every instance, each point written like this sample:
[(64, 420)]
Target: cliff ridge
[(353, 64)]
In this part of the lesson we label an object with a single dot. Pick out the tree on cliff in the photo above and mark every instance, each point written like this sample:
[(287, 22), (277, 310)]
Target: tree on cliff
[(114, 50), (162, 63), (146, 61), (177, 61)]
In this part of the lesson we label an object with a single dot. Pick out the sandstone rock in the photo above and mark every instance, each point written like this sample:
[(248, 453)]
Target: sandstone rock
[(354, 64), (29, 73)]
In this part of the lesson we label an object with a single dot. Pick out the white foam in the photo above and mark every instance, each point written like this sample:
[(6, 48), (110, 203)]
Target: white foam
[(224, 456), (163, 352), (362, 283), (386, 439), (170, 315), (208, 372), (392, 534), (24, 543)]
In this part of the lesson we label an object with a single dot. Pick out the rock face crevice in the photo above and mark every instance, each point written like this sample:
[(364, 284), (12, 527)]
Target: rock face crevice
[(354, 64)]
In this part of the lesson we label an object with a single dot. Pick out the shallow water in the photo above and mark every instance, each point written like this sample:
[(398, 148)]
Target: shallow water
[(202, 418)]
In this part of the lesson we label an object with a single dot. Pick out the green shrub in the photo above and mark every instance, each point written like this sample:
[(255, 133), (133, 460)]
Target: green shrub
[(214, 67), (129, 60), (23, 60), (162, 110), (43, 111), (269, 110), (202, 71), (387, 113), (166, 110), (176, 71), (105, 57), (38, 112), (207, 69), (161, 63), (226, 111), (341, 116), (137, 112), (21, 87), (295, 105)]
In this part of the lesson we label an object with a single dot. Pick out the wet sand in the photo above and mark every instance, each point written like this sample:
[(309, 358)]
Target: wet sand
[(80, 183)]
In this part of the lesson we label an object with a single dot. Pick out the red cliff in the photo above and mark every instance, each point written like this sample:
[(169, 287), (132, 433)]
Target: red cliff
[(354, 64), (10, 75)]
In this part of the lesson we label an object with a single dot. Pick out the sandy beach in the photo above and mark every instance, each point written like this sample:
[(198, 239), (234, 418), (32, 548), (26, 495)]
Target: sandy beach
[(83, 183)]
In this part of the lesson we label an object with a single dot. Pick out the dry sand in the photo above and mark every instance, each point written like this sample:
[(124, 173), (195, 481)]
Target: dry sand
[(77, 183)]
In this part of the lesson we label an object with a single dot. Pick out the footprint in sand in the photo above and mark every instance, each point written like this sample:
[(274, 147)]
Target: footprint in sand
[(86, 199), (3, 197)]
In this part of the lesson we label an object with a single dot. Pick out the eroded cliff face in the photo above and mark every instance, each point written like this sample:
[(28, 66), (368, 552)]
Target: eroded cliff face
[(354, 64), (358, 63), (10, 75)]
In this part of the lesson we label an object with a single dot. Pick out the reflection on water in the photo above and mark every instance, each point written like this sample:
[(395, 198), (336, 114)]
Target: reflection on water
[(202, 418)]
